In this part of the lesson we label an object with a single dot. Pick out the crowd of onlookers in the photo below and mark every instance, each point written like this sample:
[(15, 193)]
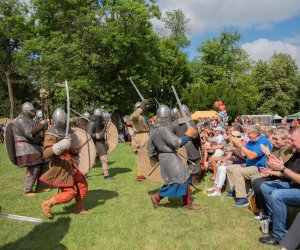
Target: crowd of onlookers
[(263, 159)]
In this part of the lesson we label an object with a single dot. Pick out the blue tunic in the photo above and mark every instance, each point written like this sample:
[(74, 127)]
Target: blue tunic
[(175, 189)]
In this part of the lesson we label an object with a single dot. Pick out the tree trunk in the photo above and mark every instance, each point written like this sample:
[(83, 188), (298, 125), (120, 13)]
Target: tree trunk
[(11, 95)]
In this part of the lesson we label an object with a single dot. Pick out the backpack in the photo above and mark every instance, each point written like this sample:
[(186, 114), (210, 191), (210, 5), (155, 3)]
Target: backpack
[(252, 204)]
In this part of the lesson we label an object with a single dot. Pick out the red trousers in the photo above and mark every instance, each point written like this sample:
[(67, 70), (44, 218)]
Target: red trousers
[(79, 190)]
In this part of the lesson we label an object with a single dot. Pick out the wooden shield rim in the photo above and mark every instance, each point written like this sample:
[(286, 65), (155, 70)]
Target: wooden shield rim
[(112, 141), (145, 167), (86, 143), (10, 149)]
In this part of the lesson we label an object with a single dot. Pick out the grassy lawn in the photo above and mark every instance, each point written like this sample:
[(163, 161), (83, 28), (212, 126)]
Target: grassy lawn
[(122, 215)]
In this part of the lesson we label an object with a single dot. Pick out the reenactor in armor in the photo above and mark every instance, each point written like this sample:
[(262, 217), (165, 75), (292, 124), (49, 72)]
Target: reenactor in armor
[(140, 130), (174, 114), (193, 147), (84, 121), (62, 173), (96, 129), (28, 146), (162, 147)]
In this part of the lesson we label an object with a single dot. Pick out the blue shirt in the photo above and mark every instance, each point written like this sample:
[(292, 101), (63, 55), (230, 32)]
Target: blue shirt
[(259, 161)]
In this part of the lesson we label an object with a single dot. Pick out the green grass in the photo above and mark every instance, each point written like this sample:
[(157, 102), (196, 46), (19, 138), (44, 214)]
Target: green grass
[(122, 215)]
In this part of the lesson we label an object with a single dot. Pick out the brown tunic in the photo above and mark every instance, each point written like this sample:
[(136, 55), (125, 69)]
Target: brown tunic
[(60, 168), (140, 128)]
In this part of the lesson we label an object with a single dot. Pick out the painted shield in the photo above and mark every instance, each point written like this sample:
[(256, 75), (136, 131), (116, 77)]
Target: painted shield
[(151, 169), (85, 146), (112, 136), (10, 143)]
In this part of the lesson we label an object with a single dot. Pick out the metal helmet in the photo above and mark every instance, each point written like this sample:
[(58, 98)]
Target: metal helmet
[(38, 114), (187, 113), (163, 116), (27, 107), (98, 112), (59, 116), (186, 110), (86, 115), (136, 105), (174, 114)]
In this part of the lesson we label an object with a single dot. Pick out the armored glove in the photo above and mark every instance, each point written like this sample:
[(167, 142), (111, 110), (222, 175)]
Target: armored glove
[(191, 132), (61, 146), (144, 104)]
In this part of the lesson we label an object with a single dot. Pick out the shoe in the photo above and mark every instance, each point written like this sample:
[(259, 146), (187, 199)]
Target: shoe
[(140, 178), (212, 179), (154, 201), (108, 177), (242, 202), (83, 212), (214, 194), (265, 217), (230, 195), (46, 209), (192, 207), (211, 189), (271, 240), (29, 194)]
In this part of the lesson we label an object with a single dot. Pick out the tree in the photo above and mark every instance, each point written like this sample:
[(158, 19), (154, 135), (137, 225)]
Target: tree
[(13, 32), (96, 45), (222, 72), (176, 22), (278, 82)]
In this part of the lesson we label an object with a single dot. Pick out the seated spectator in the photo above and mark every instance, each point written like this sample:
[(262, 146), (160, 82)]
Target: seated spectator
[(281, 149), (237, 174), (214, 145), (269, 133), (279, 195), (230, 158)]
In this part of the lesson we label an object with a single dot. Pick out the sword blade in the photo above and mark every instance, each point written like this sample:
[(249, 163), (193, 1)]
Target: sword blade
[(77, 113), (21, 218), (136, 89), (181, 109)]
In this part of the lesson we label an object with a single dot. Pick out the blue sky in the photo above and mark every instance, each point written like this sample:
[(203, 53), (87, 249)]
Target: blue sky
[(265, 25)]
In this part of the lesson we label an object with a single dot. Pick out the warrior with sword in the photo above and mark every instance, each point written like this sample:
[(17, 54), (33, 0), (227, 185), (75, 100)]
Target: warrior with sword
[(162, 147), (97, 129), (140, 127), (28, 147), (193, 147), (63, 171)]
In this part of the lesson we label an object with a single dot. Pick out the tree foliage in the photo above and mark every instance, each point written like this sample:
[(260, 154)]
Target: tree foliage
[(14, 30), (176, 22), (278, 82), (222, 72)]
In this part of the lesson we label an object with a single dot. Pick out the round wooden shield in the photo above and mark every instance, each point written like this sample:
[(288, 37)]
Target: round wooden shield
[(10, 143), (112, 136), (85, 146), (151, 169)]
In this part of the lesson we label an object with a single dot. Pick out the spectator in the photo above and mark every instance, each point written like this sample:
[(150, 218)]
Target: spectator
[(281, 149), (255, 158), (215, 145), (279, 195), (269, 133), (229, 158)]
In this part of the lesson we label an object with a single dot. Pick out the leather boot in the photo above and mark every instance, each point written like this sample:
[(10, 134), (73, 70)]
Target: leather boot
[(46, 205), (155, 198), (80, 210)]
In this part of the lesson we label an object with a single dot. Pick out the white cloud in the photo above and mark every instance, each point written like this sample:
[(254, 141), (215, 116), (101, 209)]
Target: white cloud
[(264, 49), (214, 15)]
